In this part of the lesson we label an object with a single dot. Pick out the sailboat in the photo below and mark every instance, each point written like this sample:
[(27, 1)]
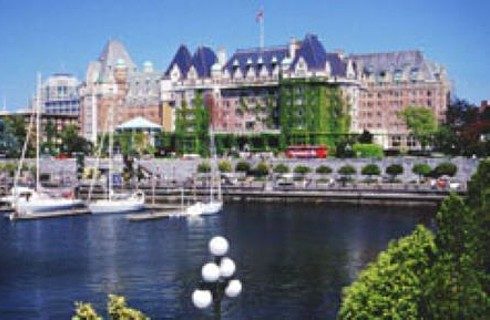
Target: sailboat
[(215, 205), (26, 201), (116, 203)]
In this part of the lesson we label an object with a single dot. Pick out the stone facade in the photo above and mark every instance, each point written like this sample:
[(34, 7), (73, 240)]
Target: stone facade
[(393, 81), (114, 85)]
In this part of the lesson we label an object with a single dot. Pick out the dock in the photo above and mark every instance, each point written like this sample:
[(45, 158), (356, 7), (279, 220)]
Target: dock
[(155, 215)]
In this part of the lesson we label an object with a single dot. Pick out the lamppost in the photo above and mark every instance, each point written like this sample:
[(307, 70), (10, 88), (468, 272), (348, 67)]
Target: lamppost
[(217, 278)]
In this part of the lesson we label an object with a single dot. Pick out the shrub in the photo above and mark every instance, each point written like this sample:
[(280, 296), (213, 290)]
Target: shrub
[(394, 169), (445, 168), (421, 169), (242, 166), (347, 170), (390, 287), (367, 150), (281, 168), (117, 309), (204, 167), (224, 166), (261, 170), (371, 170), (323, 169), (300, 169)]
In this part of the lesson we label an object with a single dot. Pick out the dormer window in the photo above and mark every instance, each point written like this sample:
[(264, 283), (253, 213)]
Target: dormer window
[(397, 75), (414, 73), (260, 60), (274, 60)]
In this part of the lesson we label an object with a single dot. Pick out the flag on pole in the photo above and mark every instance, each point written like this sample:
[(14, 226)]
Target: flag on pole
[(260, 15)]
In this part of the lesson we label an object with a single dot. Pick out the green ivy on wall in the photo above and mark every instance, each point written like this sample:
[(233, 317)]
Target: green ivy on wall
[(311, 111)]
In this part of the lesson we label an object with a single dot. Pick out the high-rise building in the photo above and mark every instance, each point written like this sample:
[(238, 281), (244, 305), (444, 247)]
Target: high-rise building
[(59, 95)]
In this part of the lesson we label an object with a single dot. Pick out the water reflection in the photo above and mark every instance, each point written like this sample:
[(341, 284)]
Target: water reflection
[(293, 260)]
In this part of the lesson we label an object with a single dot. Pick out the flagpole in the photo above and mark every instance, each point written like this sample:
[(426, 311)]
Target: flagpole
[(261, 27)]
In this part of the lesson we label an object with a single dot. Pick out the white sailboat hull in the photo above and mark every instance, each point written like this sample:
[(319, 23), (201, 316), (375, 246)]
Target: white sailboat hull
[(195, 210), (212, 207), (44, 205), (131, 204)]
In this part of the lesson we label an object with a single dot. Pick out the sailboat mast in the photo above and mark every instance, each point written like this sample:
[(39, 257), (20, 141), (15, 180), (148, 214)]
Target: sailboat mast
[(111, 143), (38, 127)]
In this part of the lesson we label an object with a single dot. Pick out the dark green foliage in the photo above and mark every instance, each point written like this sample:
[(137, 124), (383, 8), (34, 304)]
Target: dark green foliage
[(311, 112), (300, 169), (242, 166), (445, 168), (71, 142), (367, 150), (323, 169), (12, 136), (394, 169), (447, 278), (422, 169), (371, 170), (391, 286), (455, 280), (347, 170), (343, 148), (281, 168), (365, 137), (192, 127), (261, 169), (204, 167), (224, 166)]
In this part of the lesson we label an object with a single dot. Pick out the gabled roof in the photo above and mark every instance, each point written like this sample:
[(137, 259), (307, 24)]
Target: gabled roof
[(313, 52), (114, 52), (138, 123), (203, 60), (242, 57), (182, 59)]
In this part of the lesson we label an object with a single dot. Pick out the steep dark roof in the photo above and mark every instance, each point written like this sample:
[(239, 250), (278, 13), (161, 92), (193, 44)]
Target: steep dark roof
[(182, 59), (313, 53), (253, 55), (378, 62), (337, 64), (203, 60)]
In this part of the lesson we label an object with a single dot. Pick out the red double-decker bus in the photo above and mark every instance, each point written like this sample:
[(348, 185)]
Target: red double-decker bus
[(307, 151)]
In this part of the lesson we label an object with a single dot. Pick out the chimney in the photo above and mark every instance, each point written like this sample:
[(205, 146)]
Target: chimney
[(221, 56), (294, 45)]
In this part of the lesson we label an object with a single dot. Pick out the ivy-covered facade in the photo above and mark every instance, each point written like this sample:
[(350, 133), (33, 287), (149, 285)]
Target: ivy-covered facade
[(312, 111), (192, 126)]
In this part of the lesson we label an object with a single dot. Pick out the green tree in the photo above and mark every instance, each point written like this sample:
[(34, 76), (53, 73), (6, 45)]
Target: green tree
[(371, 170), (421, 122), (347, 170), (365, 150), (261, 169), (242, 166), (71, 142), (281, 168), (365, 137), (393, 170), (445, 168), (454, 289), (392, 286), (204, 167), (421, 169), (225, 166), (323, 169), (85, 311), (301, 169), (117, 309)]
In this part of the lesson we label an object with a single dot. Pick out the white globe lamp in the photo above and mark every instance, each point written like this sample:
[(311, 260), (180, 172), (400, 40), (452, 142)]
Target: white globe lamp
[(210, 272), (201, 298), (233, 289), (218, 246), (227, 267)]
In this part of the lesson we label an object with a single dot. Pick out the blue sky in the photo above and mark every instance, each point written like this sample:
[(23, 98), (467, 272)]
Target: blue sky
[(63, 36)]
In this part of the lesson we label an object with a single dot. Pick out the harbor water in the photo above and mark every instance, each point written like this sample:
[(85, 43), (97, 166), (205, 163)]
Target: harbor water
[(293, 259)]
